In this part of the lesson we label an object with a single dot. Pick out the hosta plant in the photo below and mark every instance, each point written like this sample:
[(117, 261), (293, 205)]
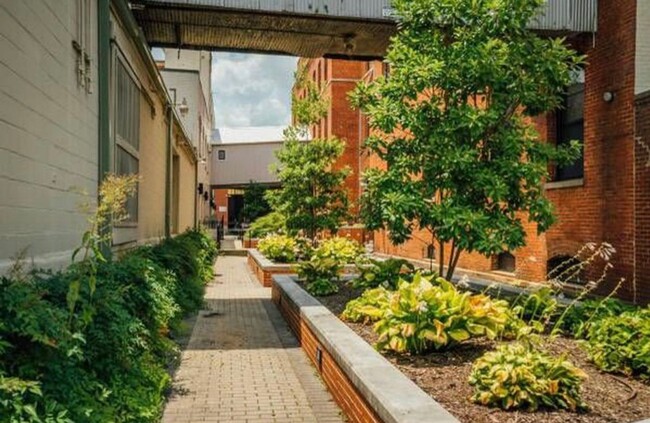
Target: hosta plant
[(320, 275), (518, 376), (386, 273), (369, 307), (621, 344), (428, 314), (279, 248), (580, 317), (344, 250)]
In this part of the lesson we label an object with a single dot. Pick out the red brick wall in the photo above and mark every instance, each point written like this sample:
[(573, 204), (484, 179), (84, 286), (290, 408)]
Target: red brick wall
[(642, 197), (354, 406), (338, 78), (602, 209)]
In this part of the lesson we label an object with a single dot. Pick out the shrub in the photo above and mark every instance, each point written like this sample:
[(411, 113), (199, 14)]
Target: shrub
[(539, 305), (579, 317), (518, 376), (429, 314), (271, 223), (621, 344), (386, 273), (105, 359), (369, 307), (320, 275), (343, 250), (279, 248)]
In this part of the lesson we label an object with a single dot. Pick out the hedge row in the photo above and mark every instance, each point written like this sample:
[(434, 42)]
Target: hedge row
[(107, 359)]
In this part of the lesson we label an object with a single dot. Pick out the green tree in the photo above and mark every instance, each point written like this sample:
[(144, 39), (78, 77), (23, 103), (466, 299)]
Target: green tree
[(255, 203), (452, 123), (312, 194)]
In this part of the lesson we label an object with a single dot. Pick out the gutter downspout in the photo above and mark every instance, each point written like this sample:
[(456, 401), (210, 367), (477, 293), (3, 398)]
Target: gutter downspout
[(103, 95), (168, 178), (196, 194)]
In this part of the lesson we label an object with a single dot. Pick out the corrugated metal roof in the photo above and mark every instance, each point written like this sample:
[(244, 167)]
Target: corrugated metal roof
[(306, 28)]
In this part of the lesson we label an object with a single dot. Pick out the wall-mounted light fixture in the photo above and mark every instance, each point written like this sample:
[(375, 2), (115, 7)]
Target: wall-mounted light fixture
[(200, 188), (183, 108), (608, 96), (205, 196)]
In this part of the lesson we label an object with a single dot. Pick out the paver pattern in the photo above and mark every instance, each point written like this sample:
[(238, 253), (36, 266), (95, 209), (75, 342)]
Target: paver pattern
[(242, 364)]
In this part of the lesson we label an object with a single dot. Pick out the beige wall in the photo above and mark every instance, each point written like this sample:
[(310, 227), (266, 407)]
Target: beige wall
[(153, 149), (48, 130), (244, 162), (187, 190)]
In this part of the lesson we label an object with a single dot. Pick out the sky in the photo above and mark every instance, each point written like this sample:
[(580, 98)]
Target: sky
[(250, 89)]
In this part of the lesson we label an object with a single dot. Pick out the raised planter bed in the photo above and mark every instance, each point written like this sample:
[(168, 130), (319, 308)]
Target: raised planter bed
[(444, 376), (264, 269), (365, 385)]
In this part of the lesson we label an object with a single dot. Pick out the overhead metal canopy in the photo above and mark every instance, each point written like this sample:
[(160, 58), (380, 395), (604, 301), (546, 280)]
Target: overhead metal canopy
[(306, 28)]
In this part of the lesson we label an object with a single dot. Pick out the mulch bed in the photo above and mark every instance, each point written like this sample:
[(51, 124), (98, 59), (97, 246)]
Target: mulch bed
[(444, 375)]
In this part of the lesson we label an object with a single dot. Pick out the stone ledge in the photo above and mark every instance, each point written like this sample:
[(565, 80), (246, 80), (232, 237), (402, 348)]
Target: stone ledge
[(393, 397)]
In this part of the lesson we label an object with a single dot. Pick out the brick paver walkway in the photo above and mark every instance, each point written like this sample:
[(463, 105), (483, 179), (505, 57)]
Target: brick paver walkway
[(242, 364)]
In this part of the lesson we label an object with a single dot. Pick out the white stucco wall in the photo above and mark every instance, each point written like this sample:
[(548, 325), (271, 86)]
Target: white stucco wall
[(642, 77), (244, 162), (48, 131)]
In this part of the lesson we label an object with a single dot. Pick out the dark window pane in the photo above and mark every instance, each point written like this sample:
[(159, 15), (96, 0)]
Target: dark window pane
[(221, 154), (570, 127)]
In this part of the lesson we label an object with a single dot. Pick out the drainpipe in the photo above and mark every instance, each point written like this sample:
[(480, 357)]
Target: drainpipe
[(103, 94), (168, 170), (196, 193)]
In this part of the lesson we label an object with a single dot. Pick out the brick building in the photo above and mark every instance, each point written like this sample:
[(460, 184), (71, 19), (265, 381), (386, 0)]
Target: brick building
[(603, 197)]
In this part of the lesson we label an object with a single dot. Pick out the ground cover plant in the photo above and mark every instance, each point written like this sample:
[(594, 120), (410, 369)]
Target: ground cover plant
[(91, 343), (519, 376), (341, 249)]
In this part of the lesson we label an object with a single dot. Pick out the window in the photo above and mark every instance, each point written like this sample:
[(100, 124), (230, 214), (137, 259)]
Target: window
[(127, 130), (506, 262), (221, 155), (570, 126)]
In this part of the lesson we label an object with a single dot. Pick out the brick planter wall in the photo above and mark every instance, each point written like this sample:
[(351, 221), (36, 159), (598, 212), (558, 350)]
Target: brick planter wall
[(264, 269), (365, 385)]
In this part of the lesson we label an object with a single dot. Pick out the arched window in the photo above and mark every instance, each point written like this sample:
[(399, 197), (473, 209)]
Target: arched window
[(506, 262)]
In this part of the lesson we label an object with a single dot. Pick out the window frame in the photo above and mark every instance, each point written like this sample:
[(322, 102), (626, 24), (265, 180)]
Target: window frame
[(219, 151), (576, 170), (119, 142)]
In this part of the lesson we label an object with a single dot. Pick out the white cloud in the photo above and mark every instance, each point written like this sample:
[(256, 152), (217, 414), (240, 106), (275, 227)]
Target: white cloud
[(252, 89)]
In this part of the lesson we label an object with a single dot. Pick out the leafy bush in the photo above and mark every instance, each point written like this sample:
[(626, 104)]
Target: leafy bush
[(343, 250), (106, 358), (517, 376), (369, 307), (386, 273), (320, 275), (429, 314), (539, 305), (621, 344), (579, 317), (279, 248), (271, 223)]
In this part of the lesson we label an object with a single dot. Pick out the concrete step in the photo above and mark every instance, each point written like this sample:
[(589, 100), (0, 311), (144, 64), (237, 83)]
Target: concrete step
[(231, 252)]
